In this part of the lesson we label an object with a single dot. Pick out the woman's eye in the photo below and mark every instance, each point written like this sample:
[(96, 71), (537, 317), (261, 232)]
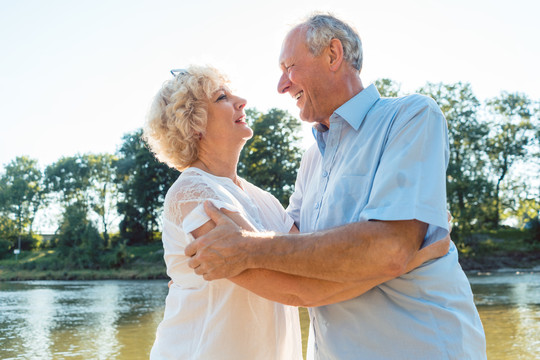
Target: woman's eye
[(221, 97)]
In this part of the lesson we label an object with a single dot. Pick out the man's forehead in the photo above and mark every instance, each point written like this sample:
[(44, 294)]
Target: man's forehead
[(290, 44)]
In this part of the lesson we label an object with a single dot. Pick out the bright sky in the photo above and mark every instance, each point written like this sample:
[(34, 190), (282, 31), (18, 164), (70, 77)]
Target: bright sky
[(77, 75)]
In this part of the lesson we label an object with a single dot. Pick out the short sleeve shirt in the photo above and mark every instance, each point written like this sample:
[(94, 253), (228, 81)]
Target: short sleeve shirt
[(385, 159)]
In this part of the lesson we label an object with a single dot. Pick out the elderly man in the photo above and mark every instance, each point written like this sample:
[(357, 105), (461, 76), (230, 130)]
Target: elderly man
[(369, 194)]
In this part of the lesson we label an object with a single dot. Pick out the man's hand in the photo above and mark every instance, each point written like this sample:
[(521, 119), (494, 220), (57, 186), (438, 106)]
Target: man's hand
[(220, 253)]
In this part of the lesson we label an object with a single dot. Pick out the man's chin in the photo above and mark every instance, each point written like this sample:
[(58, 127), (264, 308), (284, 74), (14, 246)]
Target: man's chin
[(312, 119), (309, 118)]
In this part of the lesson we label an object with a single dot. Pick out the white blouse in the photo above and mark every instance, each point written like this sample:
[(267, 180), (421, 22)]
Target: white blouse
[(218, 319)]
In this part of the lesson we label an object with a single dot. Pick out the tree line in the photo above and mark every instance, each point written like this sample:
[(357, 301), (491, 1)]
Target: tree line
[(494, 157), (98, 191), (494, 161)]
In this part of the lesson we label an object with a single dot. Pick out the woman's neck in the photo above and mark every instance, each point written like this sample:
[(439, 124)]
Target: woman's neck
[(219, 163)]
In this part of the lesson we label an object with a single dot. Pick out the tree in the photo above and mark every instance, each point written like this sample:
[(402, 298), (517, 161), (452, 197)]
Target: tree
[(511, 133), (271, 158), (143, 183), (468, 188), (79, 242), (104, 194), (70, 178), (21, 194), (8, 234), (84, 184), (388, 87), (87, 179)]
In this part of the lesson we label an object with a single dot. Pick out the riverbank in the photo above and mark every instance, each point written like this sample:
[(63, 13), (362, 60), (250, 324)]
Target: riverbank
[(483, 254), (144, 262), (506, 248), (107, 274), (514, 260)]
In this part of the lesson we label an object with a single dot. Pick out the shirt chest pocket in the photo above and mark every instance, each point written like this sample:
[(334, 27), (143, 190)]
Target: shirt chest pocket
[(345, 197)]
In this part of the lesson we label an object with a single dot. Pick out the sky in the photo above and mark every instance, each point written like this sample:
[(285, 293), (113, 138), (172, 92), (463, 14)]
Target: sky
[(75, 76)]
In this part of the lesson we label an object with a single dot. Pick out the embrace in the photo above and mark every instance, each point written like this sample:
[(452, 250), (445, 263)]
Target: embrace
[(364, 243)]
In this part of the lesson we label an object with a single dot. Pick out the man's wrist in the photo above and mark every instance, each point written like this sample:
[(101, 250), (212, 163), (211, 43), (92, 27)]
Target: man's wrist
[(258, 248)]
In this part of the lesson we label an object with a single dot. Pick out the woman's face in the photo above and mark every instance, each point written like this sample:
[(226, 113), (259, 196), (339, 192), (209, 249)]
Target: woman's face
[(226, 125)]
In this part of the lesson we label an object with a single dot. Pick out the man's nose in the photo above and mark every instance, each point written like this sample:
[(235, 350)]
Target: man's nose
[(284, 83)]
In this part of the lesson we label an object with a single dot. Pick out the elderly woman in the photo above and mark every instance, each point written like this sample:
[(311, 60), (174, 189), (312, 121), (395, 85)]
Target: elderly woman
[(198, 126)]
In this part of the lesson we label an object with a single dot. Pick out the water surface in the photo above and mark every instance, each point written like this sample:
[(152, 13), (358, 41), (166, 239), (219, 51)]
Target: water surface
[(118, 319), (79, 319), (509, 306)]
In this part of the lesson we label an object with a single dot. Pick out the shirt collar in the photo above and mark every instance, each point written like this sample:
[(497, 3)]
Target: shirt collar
[(355, 110), (320, 135)]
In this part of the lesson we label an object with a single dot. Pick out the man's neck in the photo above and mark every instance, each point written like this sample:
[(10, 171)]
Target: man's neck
[(349, 88)]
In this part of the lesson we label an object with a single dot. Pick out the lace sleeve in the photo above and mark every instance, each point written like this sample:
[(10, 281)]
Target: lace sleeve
[(185, 196)]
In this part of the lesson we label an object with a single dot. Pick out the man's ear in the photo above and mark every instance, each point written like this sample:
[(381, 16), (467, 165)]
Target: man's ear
[(335, 54)]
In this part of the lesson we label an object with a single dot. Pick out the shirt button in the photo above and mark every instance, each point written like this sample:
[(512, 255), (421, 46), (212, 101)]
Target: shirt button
[(325, 174), (316, 205)]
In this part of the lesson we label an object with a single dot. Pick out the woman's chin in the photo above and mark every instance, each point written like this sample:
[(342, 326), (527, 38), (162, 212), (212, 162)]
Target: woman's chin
[(249, 133)]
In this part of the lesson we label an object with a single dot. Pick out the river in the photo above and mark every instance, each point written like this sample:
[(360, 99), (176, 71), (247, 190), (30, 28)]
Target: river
[(117, 319)]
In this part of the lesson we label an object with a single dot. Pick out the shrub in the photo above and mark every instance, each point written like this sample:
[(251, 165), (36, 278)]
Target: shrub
[(5, 248)]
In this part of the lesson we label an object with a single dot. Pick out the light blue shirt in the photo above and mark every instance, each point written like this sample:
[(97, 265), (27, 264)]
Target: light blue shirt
[(386, 159)]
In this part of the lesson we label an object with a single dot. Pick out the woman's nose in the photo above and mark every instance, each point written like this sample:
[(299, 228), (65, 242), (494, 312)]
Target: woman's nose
[(241, 103)]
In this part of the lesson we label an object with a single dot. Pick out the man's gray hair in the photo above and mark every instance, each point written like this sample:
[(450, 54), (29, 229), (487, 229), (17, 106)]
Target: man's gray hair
[(322, 28)]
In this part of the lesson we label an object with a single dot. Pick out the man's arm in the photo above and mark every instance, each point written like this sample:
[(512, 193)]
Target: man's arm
[(302, 291), (375, 250), (417, 148)]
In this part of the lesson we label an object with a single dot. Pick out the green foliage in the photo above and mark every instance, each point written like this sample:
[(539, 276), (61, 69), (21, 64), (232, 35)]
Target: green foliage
[(511, 134), (5, 248), (115, 257), (468, 189), (104, 188), (388, 87), (10, 237), (8, 229), (70, 178), (142, 182), (271, 158), (140, 262), (88, 179), (81, 246), (79, 242), (486, 143), (21, 193), (528, 210), (534, 230)]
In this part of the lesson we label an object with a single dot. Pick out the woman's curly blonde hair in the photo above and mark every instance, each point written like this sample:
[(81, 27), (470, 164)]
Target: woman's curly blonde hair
[(178, 115)]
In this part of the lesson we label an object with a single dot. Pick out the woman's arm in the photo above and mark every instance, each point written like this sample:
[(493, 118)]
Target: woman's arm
[(308, 292)]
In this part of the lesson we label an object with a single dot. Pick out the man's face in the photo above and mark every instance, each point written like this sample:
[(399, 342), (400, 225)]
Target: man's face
[(303, 77)]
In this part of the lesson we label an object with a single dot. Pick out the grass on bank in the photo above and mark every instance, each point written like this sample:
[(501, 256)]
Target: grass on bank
[(144, 262), (498, 249), (487, 250)]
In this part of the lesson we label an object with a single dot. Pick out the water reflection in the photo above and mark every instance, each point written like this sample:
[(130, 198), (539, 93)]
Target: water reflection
[(103, 336), (118, 319), (509, 305), (38, 323), (79, 320)]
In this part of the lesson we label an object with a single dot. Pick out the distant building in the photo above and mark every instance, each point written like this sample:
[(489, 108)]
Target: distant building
[(47, 237)]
